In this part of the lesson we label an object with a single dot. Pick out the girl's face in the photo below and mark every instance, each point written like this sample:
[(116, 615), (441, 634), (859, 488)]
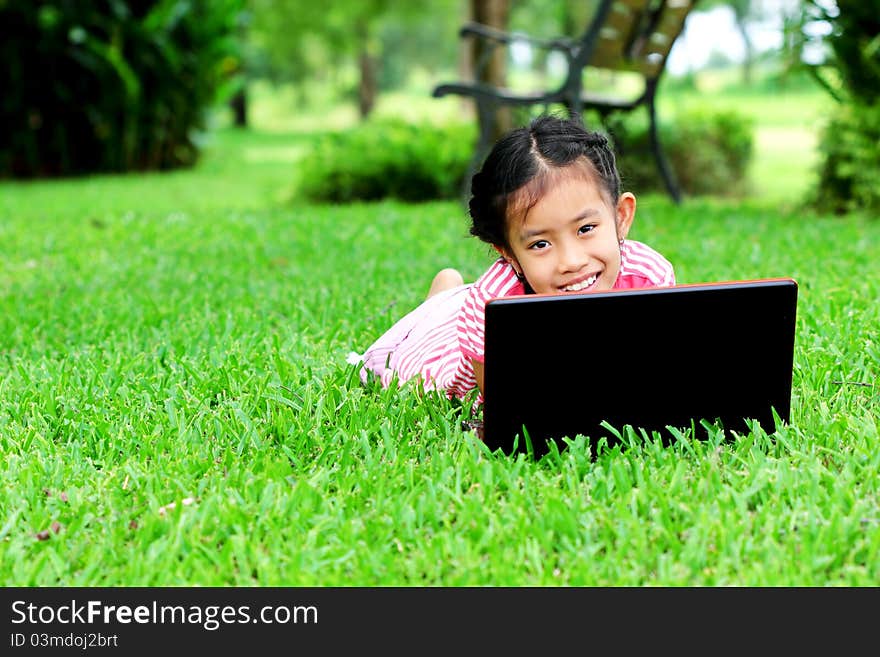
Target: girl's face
[(569, 241)]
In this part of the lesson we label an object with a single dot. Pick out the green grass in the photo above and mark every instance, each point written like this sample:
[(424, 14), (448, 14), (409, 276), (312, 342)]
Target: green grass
[(181, 337)]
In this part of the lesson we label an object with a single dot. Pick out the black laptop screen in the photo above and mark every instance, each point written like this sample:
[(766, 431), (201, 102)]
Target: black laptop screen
[(562, 365)]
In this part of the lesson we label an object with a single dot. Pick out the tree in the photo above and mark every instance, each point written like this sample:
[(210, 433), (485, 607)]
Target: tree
[(493, 13), (238, 100), (851, 70), (312, 40), (110, 86), (537, 18), (849, 171), (742, 13)]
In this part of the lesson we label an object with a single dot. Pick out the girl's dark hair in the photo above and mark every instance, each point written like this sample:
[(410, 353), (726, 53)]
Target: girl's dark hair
[(527, 162)]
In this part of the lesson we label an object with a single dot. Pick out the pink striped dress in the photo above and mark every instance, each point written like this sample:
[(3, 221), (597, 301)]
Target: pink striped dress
[(440, 338)]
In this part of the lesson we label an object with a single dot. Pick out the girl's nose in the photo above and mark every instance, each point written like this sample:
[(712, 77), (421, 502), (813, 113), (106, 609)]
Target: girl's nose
[(571, 258)]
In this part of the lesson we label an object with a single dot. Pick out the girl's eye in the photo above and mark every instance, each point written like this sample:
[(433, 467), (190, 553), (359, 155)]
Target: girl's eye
[(540, 244), (585, 229)]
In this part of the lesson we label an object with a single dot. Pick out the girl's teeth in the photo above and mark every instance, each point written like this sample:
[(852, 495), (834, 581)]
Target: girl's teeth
[(581, 285)]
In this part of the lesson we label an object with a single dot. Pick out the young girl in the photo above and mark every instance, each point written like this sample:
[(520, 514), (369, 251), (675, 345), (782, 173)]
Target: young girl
[(548, 200)]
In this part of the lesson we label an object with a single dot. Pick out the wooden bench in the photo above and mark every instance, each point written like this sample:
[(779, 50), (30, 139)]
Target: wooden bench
[(635, 36)]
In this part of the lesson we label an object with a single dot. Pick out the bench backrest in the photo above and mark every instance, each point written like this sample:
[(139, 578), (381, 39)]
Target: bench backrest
[(632, 35)]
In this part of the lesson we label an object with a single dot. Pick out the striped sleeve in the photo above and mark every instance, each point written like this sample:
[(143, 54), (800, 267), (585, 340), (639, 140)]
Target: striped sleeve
[(498, 281), (642, 266)]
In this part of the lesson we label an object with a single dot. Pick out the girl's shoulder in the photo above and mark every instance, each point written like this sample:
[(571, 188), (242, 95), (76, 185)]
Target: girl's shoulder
[(640, 262), (499, 280)]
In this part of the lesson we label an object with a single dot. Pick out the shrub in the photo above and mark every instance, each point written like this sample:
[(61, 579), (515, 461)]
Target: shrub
[(708, 151), (388, 159), (379, 159), (849, 171), (109, 85)]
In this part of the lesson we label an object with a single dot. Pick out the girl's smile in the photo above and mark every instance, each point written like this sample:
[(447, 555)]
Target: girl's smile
[(582, 284)]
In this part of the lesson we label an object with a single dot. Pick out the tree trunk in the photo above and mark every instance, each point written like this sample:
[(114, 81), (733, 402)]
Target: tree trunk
[(367, 88), (466, 64), (750, 51), (494, 13), (238, 105)]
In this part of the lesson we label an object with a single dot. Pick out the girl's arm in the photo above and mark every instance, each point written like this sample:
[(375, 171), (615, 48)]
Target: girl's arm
[(476, 425), (478, 373)]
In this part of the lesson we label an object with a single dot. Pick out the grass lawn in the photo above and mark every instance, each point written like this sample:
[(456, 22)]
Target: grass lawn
[(175, 407)]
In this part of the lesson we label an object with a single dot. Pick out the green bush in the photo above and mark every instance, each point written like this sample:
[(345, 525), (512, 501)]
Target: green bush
[(388, 159), (849, 172), (709, 152), (109, 85)]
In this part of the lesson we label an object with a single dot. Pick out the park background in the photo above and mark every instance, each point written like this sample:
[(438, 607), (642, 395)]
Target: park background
[(205, 206)]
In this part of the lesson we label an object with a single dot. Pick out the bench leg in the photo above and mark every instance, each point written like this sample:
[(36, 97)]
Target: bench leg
[(485, 113), (662, 163)]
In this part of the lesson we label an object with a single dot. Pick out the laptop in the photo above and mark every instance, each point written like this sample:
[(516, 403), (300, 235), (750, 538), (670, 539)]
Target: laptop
[(565, 365)]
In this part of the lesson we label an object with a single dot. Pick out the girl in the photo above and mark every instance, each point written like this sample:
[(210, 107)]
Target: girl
[(548, 200)]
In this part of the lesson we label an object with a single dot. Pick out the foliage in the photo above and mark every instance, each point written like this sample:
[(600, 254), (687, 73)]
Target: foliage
[(388, 158), (341, 43), (109, 85), (851, 69), (849, 173), (709, 151), (302, 38)]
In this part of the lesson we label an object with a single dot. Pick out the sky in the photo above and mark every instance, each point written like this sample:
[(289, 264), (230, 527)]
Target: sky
[(716, 30)]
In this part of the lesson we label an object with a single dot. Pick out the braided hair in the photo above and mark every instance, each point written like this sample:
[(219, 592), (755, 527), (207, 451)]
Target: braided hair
[(527, 162)]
